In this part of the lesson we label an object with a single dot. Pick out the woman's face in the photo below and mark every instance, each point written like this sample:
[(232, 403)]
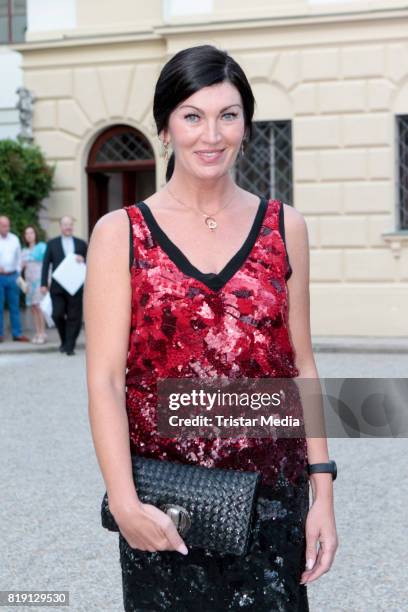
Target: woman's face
[(29, 235), (206, 131)]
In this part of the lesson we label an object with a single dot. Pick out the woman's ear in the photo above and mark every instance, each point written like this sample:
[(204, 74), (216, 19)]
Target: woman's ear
[(164, 136)]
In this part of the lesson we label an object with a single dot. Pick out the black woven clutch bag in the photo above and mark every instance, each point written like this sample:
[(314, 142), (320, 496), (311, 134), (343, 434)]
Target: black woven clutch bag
[(212, 508)]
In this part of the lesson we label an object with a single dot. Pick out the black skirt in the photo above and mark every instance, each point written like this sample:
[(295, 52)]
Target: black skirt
[(266, 579)]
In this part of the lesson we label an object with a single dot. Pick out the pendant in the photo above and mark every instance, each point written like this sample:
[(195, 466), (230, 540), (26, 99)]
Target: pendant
[(210, 223)]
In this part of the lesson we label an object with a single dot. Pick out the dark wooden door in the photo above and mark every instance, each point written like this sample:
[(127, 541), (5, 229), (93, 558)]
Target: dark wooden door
[(121, 170)]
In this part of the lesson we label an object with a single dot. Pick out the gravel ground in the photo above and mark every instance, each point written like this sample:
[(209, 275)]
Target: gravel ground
[(50, 532)]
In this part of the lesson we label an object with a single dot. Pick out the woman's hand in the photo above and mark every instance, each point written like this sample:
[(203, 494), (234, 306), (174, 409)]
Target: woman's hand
[(148, 528), (320, 527)]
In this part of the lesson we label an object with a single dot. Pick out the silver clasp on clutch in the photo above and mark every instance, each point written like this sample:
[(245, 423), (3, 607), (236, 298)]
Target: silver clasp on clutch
[(179, 516)]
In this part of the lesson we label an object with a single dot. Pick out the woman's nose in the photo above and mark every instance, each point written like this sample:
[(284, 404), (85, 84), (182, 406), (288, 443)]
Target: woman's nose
[(211, 133)]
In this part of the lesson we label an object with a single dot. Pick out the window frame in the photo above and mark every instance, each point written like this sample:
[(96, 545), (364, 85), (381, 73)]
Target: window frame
[(10, 15), (276, 128), (402, 172)]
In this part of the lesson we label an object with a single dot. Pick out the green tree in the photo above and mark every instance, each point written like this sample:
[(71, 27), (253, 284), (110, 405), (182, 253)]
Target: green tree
[(25, 180)]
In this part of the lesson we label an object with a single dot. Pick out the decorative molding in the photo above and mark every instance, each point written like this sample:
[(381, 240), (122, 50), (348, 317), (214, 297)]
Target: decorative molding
[(221, 23)]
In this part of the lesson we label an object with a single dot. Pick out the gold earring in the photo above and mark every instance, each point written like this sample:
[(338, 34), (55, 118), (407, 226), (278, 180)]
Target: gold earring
[(166, 151)]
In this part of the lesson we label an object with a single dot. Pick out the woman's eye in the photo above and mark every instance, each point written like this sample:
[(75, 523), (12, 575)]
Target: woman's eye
[(233, 115), (190, 115)]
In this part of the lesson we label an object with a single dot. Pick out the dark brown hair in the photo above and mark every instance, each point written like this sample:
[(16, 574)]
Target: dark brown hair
[(35, 232), (190, 70)]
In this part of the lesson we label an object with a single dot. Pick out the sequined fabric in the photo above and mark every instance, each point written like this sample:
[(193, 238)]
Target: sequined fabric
[(266, 579), (235, 324), (182, 328)]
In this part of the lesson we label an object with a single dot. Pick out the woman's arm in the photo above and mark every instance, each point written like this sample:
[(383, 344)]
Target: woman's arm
[(107, 313), (299, 324), (38, 251), (107, 296), (320, 523)]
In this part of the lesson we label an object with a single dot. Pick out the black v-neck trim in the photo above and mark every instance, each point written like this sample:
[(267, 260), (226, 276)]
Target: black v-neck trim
[(210, 279)]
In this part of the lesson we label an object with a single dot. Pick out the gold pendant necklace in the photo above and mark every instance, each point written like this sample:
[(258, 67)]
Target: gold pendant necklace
[(209, 220)]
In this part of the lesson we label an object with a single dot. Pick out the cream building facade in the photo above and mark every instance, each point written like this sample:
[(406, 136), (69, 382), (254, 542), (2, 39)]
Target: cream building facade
[(337, 71)]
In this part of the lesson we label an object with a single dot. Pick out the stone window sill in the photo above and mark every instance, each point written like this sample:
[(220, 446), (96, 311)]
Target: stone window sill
[(396, 241)]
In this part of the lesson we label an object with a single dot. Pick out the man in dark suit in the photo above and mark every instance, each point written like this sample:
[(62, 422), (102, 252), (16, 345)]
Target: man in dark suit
[(66, 308)]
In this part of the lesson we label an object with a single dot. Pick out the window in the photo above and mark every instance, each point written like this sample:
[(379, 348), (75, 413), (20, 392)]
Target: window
[(124, 145), (402, 147), (182, 8), (266, 167), (13, 19)]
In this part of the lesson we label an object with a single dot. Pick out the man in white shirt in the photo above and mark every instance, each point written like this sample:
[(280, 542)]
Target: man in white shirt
[(10, 269)]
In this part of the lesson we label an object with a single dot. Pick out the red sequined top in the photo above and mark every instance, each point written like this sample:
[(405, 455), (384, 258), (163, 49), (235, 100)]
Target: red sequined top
[(186, 323)]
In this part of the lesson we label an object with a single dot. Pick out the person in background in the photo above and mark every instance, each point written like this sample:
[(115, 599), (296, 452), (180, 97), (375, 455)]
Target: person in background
[(10, 268), (66, 308), (32, 256)]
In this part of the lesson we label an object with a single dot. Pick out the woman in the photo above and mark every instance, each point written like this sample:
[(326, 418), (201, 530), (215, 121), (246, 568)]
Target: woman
[(202, 253), (32, 256)]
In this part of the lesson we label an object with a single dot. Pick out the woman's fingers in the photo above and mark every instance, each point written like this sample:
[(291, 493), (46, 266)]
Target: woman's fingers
[(175, 540), (311, 548), (169, 530), (311, 553), (323, 562)]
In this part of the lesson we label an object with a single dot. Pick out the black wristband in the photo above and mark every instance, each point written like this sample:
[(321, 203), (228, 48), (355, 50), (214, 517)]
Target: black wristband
[(316, 468)]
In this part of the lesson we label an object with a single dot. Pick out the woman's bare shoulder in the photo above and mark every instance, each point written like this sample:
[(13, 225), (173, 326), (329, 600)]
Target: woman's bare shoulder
[(295, 224), (294, 220), (112, 228), (113, 220), (109, 245), (296, 233)]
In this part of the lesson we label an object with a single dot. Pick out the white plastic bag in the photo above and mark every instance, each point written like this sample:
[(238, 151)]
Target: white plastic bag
[(20, 282), (46, 308)]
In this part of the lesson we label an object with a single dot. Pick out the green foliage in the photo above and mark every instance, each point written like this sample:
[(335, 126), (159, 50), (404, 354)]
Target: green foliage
[(25, 180)]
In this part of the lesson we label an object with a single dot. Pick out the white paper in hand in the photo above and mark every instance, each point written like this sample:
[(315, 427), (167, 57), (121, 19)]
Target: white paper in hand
[(70, 274)]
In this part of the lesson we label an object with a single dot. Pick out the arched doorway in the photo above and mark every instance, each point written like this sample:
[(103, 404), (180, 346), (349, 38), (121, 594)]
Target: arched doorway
[(121, 171)]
